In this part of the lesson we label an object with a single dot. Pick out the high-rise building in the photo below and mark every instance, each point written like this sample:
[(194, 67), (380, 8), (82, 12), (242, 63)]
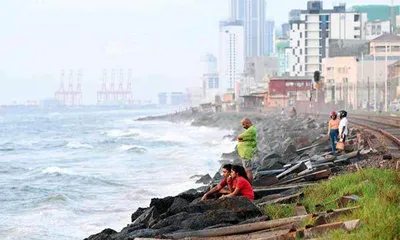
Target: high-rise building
[(269, 38), (294, 14), (231, 59), (252, 14), (210, 78), (285, 28), (309, 36)]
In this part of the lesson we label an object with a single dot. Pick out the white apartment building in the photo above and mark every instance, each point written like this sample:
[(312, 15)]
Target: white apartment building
[(376, 29), (210, 78), (231, 56), (309, 36)]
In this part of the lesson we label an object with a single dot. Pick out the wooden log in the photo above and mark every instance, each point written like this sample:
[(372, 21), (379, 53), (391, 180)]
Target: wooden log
[(251, 236), (318, 230), (291, 169), (263, 191), (252, 227), (300, 210), (239, 229), (314, 175), (282, 200)]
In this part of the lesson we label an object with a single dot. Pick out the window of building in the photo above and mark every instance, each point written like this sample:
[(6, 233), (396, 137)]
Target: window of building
[(356, 17), (216, 83), (301, 51), (395, 49), (301, 68), (357, 28), (301, 36), (210, 83), (298, 43)]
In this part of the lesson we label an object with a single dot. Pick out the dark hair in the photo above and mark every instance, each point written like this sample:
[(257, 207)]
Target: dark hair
[(228, 167), (240, 171)]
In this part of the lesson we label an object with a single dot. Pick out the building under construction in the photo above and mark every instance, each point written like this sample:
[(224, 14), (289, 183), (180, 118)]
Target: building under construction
[(72, 94), (115, 92)]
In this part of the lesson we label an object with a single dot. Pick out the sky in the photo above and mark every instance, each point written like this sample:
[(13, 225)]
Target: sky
[(162, 41)]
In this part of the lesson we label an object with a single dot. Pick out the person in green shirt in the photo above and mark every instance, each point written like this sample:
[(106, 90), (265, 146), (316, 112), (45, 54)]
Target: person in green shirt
[(247, 145)]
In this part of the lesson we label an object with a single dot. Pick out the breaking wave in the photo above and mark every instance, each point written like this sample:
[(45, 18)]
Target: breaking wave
[(77, 145)]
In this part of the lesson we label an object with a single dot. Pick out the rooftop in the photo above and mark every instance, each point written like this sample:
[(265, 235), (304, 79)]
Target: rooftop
[(387, 38), (288, 78)]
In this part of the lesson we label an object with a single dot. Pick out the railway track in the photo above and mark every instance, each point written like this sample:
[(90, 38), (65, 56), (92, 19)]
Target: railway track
[(389, 127)]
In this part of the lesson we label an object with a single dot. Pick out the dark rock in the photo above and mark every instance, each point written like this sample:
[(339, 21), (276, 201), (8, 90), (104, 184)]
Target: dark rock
[(192, 194), (162, 204), (211, 218), (217, 176), (138, 212), (141, 233), (106, 234), (206, 179), (240, 205), (172, 220), (148, 218), (177, 206)]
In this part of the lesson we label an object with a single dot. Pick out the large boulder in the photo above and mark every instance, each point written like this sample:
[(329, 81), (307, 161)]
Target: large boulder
[(138, 212), (148, 218), (162, 204), (177, 206), (106, 234), (206, 179)]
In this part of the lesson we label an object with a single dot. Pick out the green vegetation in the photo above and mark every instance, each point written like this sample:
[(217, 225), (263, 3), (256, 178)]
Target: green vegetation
[(276, 211), (379, 202)]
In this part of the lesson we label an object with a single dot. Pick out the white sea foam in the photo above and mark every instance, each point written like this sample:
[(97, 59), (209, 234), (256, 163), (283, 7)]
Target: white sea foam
[(77, 145), (122, 133), (53, 170)]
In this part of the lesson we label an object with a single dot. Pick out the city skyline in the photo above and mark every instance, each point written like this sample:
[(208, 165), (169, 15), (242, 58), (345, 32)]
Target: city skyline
[(39, 38)]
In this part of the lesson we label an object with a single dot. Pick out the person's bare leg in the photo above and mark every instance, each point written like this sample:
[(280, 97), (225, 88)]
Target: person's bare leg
[(249, 175)]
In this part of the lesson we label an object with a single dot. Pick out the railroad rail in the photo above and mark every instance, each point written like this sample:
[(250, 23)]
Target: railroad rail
[(389, 127)]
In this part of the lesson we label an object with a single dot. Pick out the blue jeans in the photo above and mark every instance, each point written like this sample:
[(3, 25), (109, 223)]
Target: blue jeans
[(334, 134)]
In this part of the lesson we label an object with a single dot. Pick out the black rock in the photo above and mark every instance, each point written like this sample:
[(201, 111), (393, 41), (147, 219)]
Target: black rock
[(211, 218), (206, 179), (138, 212), (177, 206), (103, 235), (217, 176), (148, 218), (162, 204)]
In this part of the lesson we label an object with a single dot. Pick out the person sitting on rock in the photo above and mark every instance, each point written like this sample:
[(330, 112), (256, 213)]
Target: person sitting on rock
[(241, 185), (226, 181), (247, 145)]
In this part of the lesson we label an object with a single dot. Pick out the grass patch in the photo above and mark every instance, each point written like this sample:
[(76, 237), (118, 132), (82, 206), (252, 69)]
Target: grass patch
[(379, 212), (276, 211)]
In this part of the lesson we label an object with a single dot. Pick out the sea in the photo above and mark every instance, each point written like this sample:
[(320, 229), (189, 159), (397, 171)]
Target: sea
[(67, 174)]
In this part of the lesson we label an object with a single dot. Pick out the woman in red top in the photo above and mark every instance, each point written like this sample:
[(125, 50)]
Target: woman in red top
[(242, 186)]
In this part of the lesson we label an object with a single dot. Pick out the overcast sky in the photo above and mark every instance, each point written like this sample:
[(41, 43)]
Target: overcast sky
[(161, 40)]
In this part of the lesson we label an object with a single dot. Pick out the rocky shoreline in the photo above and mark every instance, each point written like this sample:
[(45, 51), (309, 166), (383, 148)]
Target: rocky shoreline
[(290, 151)]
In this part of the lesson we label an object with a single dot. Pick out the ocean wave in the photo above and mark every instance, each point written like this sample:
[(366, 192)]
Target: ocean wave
[(121, 133), (56, 198), (57, 170), (77, 145), (133, 148)]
